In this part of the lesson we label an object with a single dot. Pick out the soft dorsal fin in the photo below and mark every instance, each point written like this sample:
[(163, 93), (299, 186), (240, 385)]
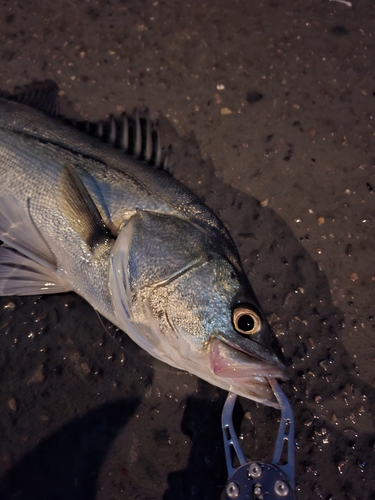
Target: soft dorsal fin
[(38, 95)]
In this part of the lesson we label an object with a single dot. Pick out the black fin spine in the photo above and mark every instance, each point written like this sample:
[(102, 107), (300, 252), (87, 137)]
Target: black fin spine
[(99, 130), (112, 131), (124, 133)]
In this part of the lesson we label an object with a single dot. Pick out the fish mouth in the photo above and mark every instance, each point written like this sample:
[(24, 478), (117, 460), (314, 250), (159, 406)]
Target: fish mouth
[(247, 375)]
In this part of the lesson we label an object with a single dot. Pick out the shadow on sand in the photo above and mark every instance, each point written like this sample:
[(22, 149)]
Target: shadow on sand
[(67, 464)]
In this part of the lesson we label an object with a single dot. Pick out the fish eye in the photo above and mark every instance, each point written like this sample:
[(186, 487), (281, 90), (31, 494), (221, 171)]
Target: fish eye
[(246, 321)]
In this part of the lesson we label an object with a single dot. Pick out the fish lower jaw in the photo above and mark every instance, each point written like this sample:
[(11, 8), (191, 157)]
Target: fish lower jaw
[(256, 389), (243, 374), (249, 379)]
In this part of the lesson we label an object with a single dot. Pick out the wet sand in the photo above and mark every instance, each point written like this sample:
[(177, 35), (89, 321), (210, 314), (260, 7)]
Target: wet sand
[(268, 107)]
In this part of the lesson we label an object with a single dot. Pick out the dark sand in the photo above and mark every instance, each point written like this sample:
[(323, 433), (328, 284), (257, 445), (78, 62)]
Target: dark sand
[(269, 107)]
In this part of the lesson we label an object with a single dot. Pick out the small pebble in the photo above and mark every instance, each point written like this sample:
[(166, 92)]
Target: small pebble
[(323, 364), (10, 306), (225, 111), (12, 404), (37, 377), (6, 460), (318, 490), (80, 366), (312, 133), (248, 416), (341, 466)]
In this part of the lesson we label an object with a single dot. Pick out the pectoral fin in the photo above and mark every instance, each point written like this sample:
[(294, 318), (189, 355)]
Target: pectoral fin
[(79, 209)]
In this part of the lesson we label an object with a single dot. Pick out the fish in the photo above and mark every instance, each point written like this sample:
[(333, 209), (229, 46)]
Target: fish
[(114, 226)]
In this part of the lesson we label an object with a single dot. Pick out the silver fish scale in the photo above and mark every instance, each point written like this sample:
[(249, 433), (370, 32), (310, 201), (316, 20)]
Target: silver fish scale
[(35, 184), (33, 153), (142, 181)]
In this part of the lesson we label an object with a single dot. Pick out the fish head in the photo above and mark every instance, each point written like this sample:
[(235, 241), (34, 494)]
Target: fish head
[(219, 331), (187, 304)]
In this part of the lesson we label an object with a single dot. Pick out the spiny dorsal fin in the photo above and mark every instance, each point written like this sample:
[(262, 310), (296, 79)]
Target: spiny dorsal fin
[(136, 135), (38, 95)]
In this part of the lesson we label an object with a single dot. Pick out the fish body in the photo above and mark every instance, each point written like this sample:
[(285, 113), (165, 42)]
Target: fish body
[(79, 215)]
